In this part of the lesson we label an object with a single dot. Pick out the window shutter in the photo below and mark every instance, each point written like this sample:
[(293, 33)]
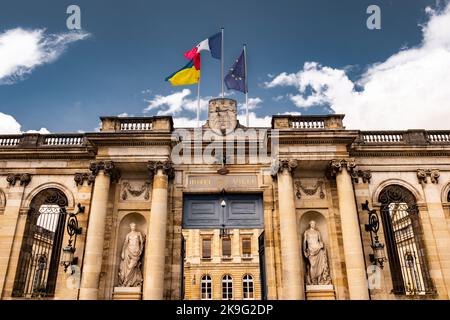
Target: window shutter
[(246, 246), (226, 247), (206, 248)]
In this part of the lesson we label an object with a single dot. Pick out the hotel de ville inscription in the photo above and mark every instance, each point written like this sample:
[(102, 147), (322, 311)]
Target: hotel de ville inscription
[(222, 182)]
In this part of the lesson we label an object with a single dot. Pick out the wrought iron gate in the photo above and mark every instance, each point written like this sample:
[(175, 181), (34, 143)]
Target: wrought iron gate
[(403, 233), (41, 246)]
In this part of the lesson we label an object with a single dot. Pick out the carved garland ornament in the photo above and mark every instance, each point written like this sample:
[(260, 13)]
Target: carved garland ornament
[(309, 191), (127, 189), (165, 166), (24, 179), (422, 175), (108, 167)]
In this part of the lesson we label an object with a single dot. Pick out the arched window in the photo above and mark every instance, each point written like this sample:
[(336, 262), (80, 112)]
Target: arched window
[(206, 288), (403, 234), (248, 287), (41, 245), (227, 287)]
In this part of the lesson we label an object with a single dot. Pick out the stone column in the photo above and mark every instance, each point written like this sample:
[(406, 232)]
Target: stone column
[(13, 198), (292, 275), (429, 180), (351, 233), (156, 235), (105, 173)]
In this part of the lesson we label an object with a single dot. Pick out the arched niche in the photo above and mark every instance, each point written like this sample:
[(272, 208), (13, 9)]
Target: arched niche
[(123, 230), (322, 227)]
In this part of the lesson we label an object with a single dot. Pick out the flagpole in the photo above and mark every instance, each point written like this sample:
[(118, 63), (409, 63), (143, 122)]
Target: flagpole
[(198, 103), (246, 85), (221, 61)]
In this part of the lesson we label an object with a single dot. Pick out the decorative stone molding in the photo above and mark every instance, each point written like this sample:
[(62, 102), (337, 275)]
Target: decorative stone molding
[(165, 166), (80, 177), (365, 175), (108, 167), (127, 189), (24, 179), (422, 175), (309, 191), (336, 165)]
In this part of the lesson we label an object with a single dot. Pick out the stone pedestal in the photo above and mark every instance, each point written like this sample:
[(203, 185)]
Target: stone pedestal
[(320, 292), (127, 293)]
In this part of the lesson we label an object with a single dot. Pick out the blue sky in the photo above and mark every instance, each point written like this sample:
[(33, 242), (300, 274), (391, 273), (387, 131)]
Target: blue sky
[(133, 45)]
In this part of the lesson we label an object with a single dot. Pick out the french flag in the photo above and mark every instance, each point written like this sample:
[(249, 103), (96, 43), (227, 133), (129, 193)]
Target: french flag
[(213, 44)]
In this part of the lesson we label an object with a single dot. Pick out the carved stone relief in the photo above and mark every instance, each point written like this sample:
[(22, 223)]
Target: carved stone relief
[(135, 190), (309, 190)]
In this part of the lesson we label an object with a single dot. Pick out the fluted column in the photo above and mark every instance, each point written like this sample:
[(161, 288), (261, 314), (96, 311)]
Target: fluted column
[(292, 278), (429, 180), (351, 234), (105, 172), (156, 235)]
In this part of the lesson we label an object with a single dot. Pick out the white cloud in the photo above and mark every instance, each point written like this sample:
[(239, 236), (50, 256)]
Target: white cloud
[(253, 103), (175, 103), (410, 89), (183, 122), (21, 51), (9, 125), (254, 120)]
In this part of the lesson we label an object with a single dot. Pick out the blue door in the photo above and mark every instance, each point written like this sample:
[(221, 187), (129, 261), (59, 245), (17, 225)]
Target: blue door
[(202, 211)]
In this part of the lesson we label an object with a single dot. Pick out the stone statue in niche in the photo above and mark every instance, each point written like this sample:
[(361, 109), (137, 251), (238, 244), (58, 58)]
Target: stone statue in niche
[(130, 274), (317, 270)]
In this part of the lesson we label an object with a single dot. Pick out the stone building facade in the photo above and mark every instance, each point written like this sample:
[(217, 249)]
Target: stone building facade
[(218, 226)]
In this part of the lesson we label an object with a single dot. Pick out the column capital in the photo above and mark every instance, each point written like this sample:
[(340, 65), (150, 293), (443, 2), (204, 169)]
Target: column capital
[(336, 165), (364, 175), (24, 179), (285, 164), (80, 177), (108, 167), (422, 175), (166, 166)]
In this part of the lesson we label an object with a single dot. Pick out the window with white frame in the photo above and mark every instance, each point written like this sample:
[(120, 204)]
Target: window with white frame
[(227, 287), (206, 288), (248, 287)]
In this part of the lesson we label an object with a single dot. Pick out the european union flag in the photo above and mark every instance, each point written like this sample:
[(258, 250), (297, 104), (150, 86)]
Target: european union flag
[(235, 79)]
